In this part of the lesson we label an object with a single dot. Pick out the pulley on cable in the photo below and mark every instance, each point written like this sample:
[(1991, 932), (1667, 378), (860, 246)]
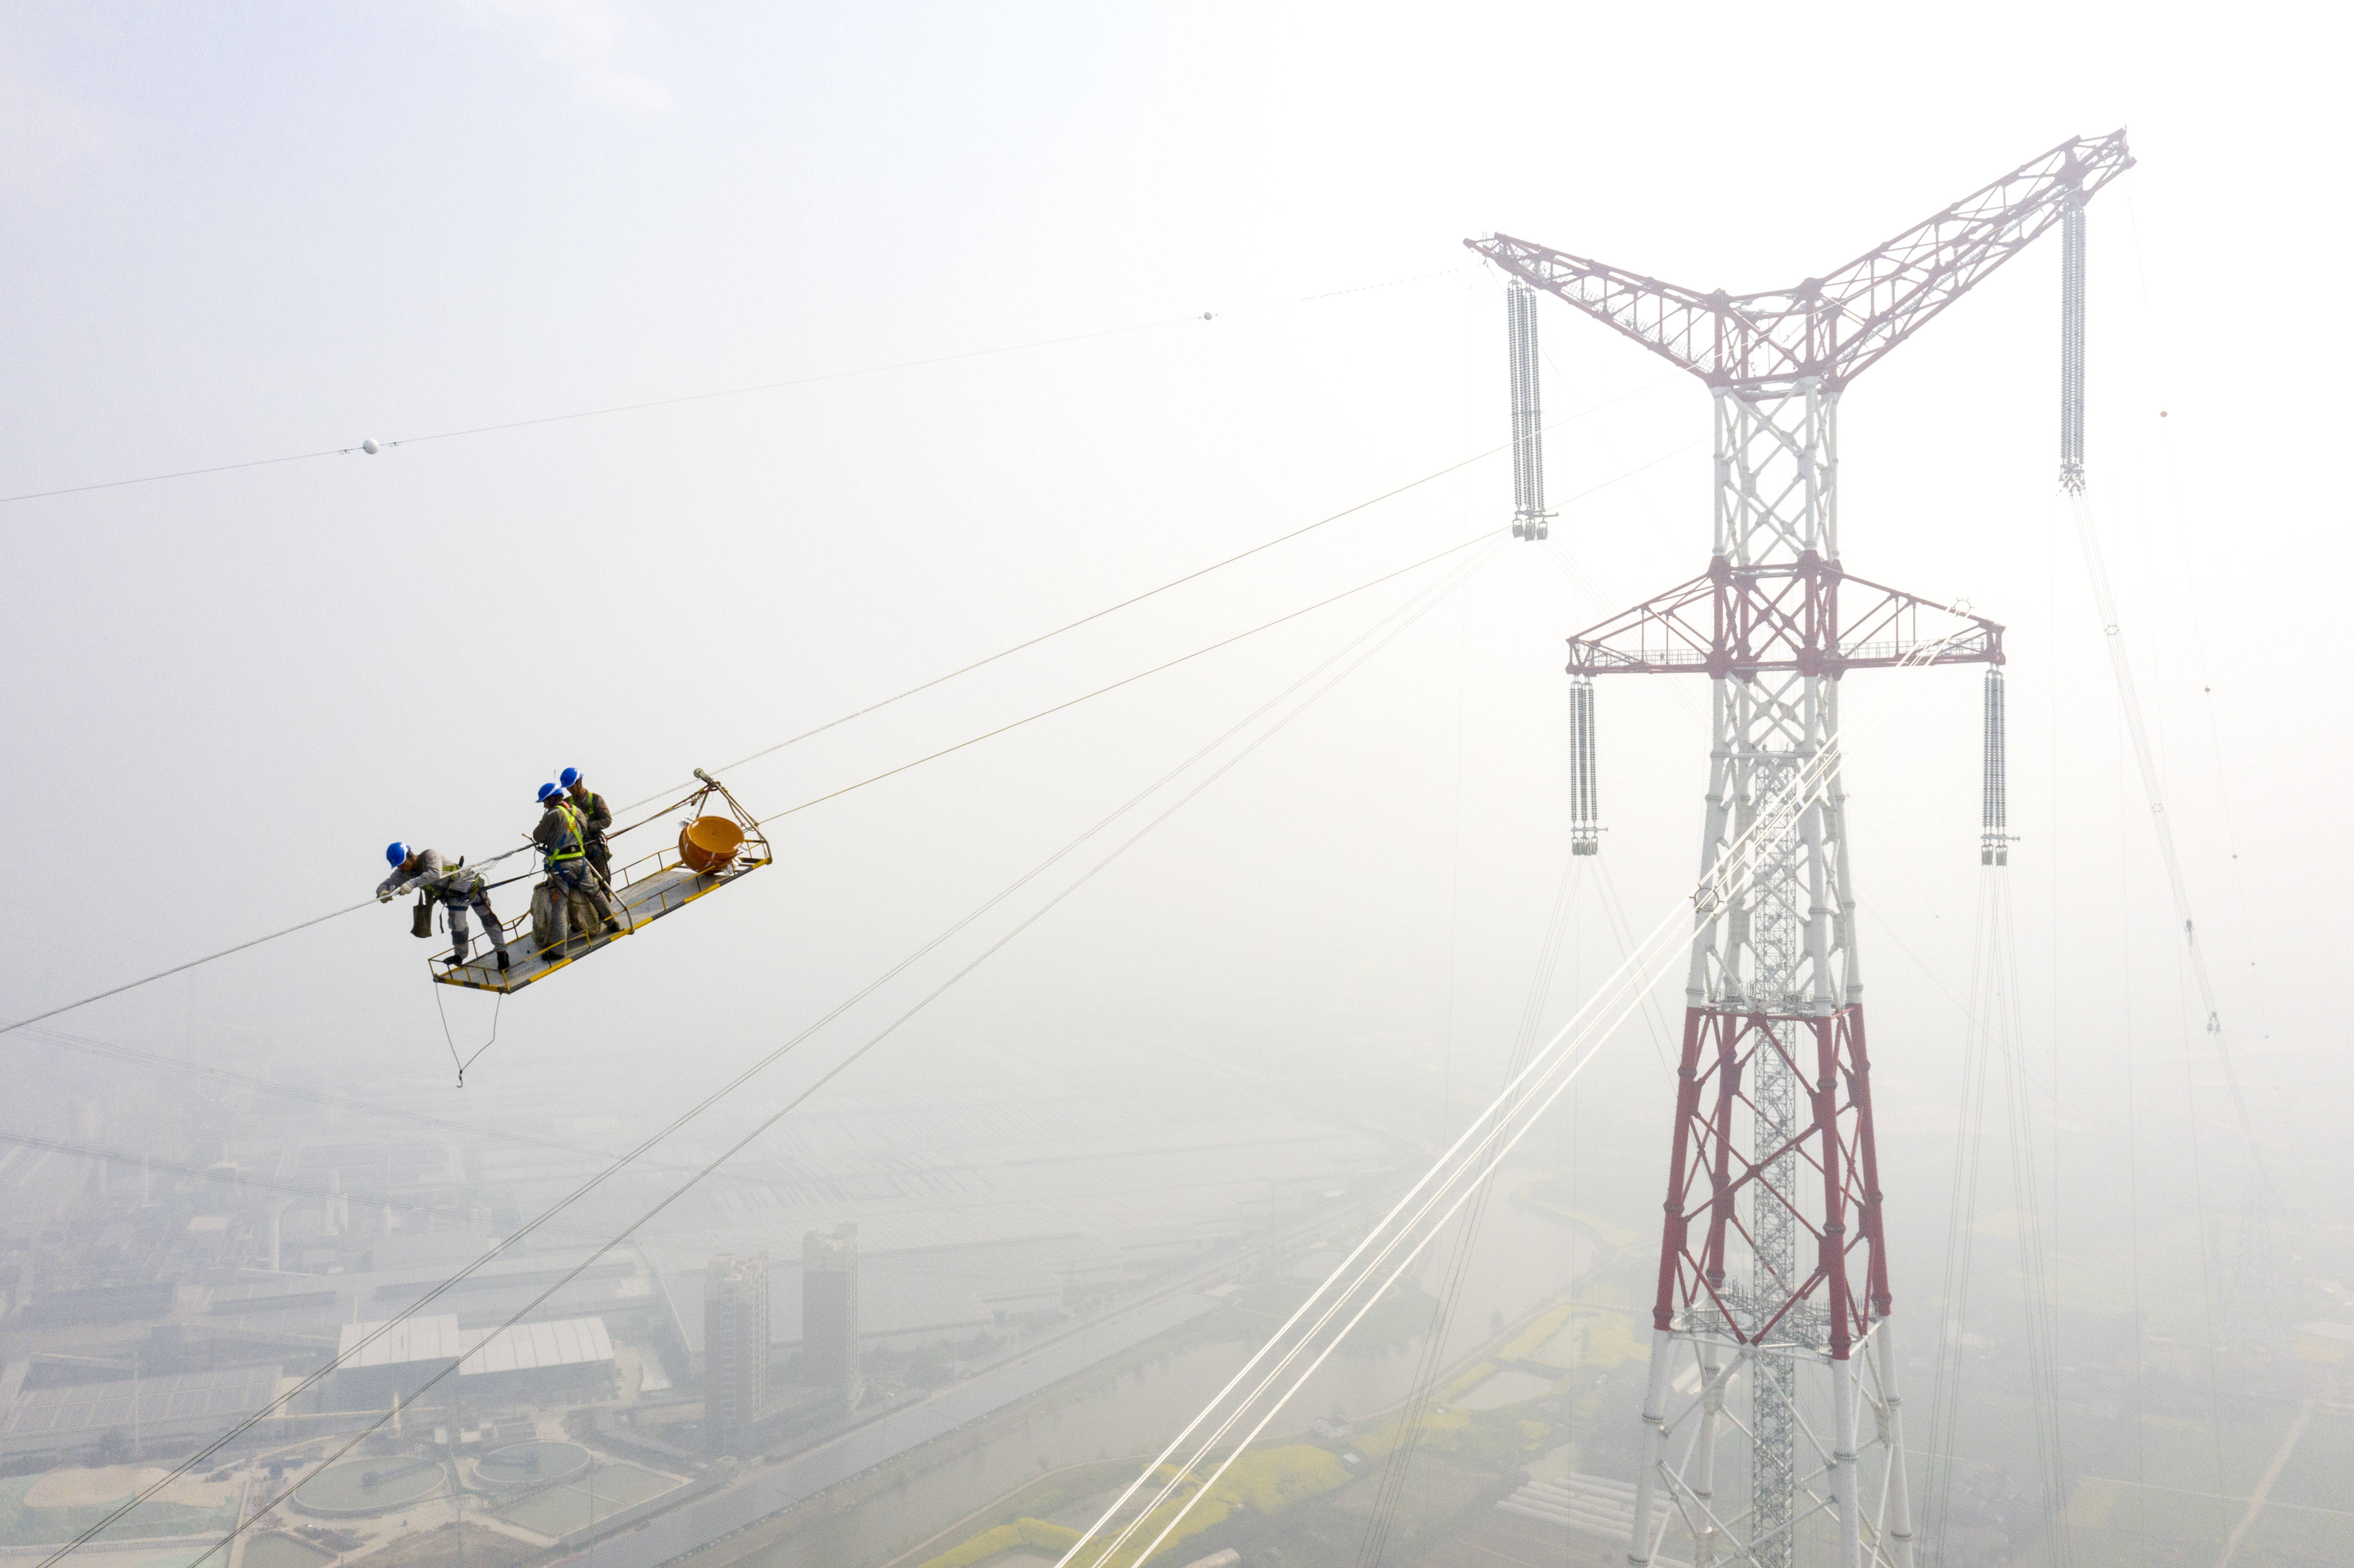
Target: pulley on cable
[(715, 847)]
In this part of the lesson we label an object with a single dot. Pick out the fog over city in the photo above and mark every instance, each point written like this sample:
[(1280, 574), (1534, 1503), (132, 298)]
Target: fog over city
[(1025, 619)]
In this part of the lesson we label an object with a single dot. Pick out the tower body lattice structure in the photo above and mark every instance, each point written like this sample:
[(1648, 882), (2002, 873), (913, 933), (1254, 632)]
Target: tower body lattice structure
[(1771, 1326)]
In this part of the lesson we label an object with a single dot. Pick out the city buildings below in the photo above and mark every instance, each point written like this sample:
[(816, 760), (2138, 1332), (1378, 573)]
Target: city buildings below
[(567, 1359), (994, 1205), (74, 1417), (736, 1350), (830, 1307)]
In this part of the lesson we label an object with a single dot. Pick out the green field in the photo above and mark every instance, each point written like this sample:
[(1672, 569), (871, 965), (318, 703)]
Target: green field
[(605, 1491), (26, 1526), (282, 1552)]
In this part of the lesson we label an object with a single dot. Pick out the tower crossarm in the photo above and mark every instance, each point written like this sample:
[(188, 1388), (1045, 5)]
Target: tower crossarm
[(1827, 328), (1806, 616)]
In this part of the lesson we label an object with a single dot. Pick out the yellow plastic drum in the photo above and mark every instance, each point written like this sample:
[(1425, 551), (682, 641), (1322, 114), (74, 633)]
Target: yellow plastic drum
[(708, 844)]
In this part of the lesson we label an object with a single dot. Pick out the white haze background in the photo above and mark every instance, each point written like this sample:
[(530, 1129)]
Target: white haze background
[(274, 229)]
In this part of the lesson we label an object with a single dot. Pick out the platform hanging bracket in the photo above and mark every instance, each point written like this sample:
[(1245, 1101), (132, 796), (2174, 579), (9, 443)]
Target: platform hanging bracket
[(712, 786)]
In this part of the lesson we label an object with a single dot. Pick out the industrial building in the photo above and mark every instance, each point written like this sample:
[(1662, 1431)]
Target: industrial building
[(146, 1411), (997, 1205), (568, 1360)]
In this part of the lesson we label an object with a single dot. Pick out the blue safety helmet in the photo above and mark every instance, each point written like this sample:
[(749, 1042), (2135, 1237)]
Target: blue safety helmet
[(395, 853), (544, 791), (569, 778)]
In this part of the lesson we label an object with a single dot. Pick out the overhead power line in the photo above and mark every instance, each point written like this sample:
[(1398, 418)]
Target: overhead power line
[(1385, 630), (959, 746), (1141, 674), (192, 963), (157, 1061), (371, 448), (1418, 1217), (292, 1189), (876, 778), (1176, 582)]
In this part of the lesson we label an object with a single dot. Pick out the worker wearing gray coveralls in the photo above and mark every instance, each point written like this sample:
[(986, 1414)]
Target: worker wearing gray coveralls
[(454, 887), (563, 834), (596, 816)]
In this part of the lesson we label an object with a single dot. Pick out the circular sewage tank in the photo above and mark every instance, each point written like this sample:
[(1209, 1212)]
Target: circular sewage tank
[(534, 1464), (375, 1485)]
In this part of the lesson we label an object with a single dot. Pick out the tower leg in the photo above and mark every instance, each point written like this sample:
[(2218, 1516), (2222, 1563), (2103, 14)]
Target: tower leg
[(1899, 1544), (1703, 1477), (1845, 1493), (1655, 1437)]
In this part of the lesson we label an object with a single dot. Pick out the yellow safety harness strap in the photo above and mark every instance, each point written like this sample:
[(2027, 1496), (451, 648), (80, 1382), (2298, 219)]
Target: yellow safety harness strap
[(572, 846)]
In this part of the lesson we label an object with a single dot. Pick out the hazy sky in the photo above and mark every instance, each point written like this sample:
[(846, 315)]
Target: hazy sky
[(238, 234)]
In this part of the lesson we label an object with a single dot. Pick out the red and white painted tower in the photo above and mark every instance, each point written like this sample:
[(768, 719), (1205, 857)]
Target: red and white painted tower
[(1772, 1325)]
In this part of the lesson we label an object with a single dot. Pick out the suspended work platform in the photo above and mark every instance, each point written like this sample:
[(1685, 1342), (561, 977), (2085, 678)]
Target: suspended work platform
[(712, 852)]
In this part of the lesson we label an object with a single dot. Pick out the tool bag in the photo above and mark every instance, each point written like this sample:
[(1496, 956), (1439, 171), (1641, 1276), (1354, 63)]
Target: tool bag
[(585, 920), (543, 916), (451, 886)]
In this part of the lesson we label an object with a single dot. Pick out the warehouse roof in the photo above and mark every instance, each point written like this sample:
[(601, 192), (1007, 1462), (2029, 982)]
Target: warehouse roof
[(526, 1346), (412, 1340), (200, 1400), (568, 1342)]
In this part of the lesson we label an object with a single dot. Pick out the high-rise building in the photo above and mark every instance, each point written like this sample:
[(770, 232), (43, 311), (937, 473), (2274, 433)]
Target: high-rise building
[(735, 1350), (830, 1307)]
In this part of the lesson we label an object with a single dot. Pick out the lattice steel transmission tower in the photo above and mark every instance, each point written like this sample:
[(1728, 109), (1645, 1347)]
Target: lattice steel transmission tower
[(1773, 1277)]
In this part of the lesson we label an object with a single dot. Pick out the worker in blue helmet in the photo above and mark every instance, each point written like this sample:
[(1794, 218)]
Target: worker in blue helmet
[(596, 816), (563, 835), (457, 889)]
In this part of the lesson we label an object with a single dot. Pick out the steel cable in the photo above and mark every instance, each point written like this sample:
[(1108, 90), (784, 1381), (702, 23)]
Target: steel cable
[(224, 1076), (1491, 1137), (1400, 1460), (1961, 1216), (1396, 621), (821, 376), (2154, 791), (352, 908), (1392, 494), (1428, 1198), (2042, 1341), (1470, 1158), (492, 860)]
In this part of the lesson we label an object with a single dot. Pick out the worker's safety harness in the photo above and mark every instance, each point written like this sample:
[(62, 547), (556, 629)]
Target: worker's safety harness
[(573, 845)]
